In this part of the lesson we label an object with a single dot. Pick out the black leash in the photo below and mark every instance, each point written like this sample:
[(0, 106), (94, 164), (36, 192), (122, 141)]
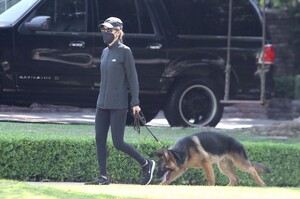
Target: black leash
[(139, 117)]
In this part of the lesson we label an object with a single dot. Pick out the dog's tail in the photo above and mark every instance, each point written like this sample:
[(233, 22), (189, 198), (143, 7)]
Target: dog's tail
[(260, 167)]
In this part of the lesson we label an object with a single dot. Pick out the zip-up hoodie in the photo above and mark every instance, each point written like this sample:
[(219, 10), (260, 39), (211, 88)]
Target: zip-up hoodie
[(118, 74)]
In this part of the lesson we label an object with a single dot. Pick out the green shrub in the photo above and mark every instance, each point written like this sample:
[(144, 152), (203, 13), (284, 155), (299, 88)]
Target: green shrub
[(284, 87), (281, 4), (297, 87), (75, 160)]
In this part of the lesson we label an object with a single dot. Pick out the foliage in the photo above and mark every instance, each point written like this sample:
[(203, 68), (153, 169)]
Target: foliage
[(75, 160), (293, 8), (57, 152), (284, 87), (297, 87), (281, 4), (295, 15)]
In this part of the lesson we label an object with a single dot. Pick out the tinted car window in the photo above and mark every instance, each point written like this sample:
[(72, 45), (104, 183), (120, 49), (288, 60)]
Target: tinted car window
[(210, 17), (132, 12), (11, 13), (4, 5), (66, 15), (246, 21)]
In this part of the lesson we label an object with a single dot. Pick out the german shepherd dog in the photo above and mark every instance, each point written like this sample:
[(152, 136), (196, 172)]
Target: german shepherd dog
[(201, 151)]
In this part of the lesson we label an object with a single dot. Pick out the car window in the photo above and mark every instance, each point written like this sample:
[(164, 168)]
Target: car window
[(133, 13), (246, 21), (66, 15), (11, 11), (5, 5), (210, 17)]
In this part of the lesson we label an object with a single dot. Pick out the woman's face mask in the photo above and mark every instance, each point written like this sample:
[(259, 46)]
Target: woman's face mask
[(108, 37)]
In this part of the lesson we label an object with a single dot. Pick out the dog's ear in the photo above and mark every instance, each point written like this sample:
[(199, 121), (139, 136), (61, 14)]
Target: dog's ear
[(165, 152), (157, 153)]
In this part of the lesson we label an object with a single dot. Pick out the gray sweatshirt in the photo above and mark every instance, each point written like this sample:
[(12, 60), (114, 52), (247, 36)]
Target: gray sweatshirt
[(118, 73)]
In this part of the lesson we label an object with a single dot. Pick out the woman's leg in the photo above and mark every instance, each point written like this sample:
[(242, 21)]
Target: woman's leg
[(118, 122), (102, 121)]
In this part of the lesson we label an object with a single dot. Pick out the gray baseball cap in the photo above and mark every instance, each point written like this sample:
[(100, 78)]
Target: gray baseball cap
[(112, 22)]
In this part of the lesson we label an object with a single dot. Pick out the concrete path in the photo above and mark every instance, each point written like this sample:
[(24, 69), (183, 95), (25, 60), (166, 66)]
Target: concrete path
[(88, 116)]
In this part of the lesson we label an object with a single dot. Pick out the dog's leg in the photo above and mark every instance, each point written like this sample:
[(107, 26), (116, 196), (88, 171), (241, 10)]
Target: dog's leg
[(246, 166), (226, 167), (256, 177), (209, 172)]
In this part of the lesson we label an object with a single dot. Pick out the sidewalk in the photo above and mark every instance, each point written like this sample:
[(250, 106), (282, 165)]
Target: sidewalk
[(87, 116)]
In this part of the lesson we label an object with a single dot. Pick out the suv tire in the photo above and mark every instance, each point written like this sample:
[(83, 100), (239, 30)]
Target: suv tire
[(194, 103)]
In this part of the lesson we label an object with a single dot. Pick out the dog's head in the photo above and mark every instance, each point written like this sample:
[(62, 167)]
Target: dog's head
[(166, 163)]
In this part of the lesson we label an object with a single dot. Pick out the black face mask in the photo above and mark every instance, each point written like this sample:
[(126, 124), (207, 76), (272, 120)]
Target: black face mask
[(108, 37)]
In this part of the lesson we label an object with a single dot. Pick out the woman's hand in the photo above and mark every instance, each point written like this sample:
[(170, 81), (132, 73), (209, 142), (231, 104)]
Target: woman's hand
[(136, 109)]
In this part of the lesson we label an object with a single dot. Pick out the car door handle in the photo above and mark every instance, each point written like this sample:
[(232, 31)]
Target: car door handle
[(77, 44), (155, 46)]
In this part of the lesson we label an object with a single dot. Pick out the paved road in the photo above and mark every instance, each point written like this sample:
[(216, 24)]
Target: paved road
[(73, 115)]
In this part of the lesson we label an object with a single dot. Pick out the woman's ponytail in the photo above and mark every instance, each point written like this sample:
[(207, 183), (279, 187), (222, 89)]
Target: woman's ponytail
[(121, 36)]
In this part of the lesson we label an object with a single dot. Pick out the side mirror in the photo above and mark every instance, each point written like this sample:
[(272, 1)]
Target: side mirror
[(39, 23)]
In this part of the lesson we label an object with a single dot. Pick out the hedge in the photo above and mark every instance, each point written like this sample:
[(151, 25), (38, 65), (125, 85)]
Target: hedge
[(75, 160)]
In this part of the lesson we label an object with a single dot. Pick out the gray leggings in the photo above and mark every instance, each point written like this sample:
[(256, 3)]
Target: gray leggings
[(116, 118)]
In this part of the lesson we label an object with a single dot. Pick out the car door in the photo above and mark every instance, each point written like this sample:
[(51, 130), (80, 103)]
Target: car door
[(56, 60)]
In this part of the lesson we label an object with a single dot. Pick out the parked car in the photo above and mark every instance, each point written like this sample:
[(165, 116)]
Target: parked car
[(50, 52)]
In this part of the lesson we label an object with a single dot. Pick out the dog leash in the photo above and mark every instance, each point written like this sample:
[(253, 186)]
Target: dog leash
[(139, 117)]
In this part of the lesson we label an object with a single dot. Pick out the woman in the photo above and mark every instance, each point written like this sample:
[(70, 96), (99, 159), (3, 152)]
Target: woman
[(118, 73)]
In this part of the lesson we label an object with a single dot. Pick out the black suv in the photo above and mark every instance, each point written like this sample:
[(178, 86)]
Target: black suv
[(50, 52)]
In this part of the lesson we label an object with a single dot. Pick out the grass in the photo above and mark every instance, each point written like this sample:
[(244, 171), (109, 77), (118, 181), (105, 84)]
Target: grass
[(20, 190), (64, 131)]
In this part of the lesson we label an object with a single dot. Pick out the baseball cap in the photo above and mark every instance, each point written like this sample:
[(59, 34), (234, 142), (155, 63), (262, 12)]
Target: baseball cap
[(112, 22)]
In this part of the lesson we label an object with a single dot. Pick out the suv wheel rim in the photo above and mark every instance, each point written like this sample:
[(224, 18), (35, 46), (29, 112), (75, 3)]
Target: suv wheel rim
[(197, 105)]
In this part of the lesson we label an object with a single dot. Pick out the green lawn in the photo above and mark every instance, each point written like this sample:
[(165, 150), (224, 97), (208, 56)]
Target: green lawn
[(20, 190), (68, 131)]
